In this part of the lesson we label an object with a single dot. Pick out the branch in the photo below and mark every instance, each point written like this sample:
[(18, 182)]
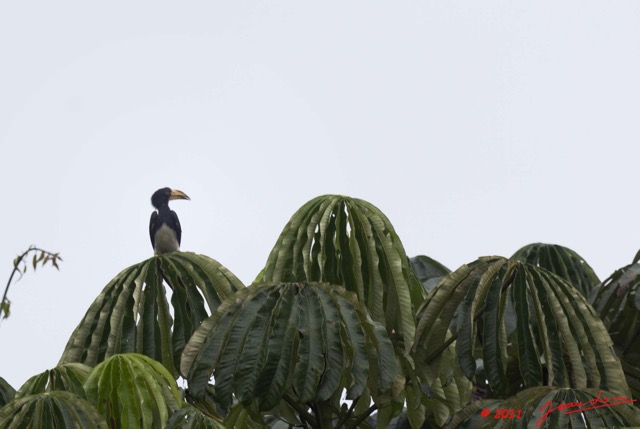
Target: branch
[(301, 409), (347, 415), (20, 266), (362, 417)]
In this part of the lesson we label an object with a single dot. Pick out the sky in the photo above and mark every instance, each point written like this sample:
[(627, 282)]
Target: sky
[(476, 127)]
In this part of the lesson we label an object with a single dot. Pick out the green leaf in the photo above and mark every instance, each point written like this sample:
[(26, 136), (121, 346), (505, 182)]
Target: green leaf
[(428, 271), (5, 308), (132, 312), (530, 366), (241, 418), (191, 418), (555, 329), (310, 350), (68, 377), (617, 302), (349, 242), (133, 390), (57, 409), (334, 358), (437, 313), (6, 392), (561, 261), (494, 344), (308, 339)]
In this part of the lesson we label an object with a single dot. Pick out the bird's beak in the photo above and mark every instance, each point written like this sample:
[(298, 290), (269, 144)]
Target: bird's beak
[(178, 195)]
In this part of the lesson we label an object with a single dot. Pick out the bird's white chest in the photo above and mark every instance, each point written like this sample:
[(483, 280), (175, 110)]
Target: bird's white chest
[(166, 240)]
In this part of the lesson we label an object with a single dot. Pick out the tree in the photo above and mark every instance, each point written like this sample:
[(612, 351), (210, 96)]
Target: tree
[(339, 330)]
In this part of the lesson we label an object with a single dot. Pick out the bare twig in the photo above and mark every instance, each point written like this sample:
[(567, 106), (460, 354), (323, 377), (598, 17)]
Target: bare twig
[(20, 266)]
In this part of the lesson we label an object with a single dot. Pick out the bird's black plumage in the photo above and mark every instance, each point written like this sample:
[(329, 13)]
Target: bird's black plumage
[(164, 226)]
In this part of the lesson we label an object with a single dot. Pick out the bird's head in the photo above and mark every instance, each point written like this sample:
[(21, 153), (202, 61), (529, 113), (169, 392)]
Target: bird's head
[(162, 196)]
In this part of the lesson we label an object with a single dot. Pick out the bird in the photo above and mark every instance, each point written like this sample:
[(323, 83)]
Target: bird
[(164, 226)]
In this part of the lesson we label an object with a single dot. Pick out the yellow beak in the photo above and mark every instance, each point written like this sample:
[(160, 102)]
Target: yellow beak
[(178, 195)]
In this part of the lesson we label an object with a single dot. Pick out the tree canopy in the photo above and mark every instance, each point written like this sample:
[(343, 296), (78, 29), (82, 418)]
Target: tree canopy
[(341, 329)]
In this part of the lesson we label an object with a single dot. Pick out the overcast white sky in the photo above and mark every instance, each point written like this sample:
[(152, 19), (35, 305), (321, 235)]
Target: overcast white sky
[(477, 127)]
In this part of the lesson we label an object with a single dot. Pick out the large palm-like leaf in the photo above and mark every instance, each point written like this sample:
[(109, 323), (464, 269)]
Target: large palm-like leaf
[(305, 341), (561, 261), (549, 407), (69, 377), (6, 392), (132, 390), (132, 313), (51, 410), (557, 338), (432, 397), (189, 417), (240, 417), (429, 271), (350, 242), (617, 300)]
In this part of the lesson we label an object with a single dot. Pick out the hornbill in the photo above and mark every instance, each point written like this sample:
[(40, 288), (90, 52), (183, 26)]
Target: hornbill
[(164, 226)]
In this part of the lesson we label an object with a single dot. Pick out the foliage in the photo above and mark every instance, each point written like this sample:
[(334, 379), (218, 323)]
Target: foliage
[(350, 242), (429, 271), (6, 392), (69, 377), (189, 417), (126, 390), (617, 301), (341, 330), (20, 267), (561, 261), (51, 410), (555, 338), (306, 342), (133, 390), (132, 313)]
